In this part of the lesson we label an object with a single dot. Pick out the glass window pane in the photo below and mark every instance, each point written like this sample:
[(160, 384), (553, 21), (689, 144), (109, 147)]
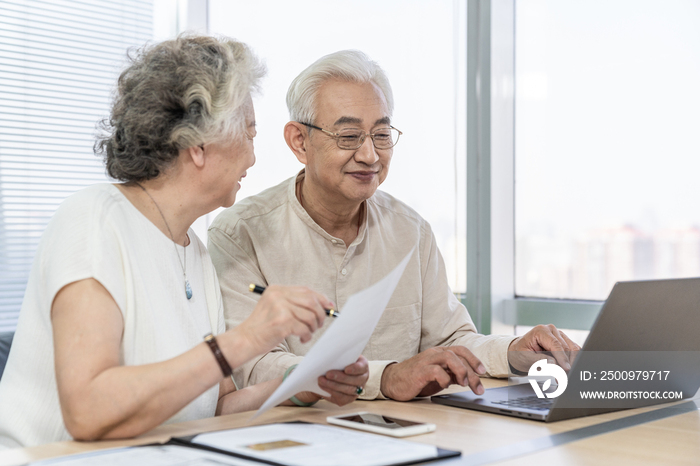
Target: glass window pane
[(421, 47), (606, 144)]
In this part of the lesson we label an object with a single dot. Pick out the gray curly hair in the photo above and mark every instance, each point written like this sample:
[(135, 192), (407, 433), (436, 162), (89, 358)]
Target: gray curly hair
[(346, 65), (174, 95)]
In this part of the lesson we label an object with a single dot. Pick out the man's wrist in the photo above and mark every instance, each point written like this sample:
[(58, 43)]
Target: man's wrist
[(512, 343), (512, 369), (385, 383)]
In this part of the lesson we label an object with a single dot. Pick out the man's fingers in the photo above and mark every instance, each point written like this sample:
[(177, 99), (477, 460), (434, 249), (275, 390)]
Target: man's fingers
[(551, 340), (542, 342), (573, 347), (354, 375), (341, 394), (351, 380), (461, 368), (474, 382), (567, 344), (359, 367), (447, 368), (431, 389), (472, 360), (564, 342), (341, 399), (469, 377), (426, 372), (333, 386), (450, 362), (439, 375)]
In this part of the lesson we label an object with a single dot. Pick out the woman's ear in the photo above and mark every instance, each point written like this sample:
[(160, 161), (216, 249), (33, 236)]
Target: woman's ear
[(296, 136), (196, 153)]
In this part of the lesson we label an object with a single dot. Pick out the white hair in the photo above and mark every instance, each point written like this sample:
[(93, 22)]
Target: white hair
[(346, 65), (173, 95)]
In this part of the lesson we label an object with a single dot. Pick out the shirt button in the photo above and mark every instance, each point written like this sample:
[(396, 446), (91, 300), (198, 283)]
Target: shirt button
[(344, 271), (334, 241)]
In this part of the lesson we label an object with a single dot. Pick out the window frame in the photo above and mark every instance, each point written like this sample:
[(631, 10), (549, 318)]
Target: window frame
[(490, 297)]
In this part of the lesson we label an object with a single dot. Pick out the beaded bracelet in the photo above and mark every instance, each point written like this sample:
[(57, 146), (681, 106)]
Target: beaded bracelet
[(294, 399)]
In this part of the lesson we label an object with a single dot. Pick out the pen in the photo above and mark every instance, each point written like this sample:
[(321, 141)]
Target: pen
[(259, 290)]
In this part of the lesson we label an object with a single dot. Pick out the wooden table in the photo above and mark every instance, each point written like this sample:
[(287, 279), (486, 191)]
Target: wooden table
[(674, 440)]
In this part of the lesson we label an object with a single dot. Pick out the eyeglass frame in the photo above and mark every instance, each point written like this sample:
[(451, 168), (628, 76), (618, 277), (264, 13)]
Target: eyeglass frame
[(336, 136)]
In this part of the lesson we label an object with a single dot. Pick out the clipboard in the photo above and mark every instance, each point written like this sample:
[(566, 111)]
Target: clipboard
[(252, 455)]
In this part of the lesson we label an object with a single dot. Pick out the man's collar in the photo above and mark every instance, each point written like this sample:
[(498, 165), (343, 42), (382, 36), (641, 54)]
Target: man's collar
[(294, 195)]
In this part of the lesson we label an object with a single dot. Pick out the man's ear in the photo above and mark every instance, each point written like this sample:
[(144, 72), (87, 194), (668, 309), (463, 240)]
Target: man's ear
[(196, 153), (296, 136)]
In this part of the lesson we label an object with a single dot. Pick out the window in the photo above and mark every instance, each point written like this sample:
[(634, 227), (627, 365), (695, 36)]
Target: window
[(606, 146), (58, 64), (420, 45)]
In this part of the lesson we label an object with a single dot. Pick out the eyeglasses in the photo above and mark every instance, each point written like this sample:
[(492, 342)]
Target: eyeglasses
[(353, 138)]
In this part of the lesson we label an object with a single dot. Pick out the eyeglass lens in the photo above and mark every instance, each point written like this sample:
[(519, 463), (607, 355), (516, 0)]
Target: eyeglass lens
[(384, 138)]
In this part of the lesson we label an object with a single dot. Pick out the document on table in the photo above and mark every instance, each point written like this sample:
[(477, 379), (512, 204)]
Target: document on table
[(156, 455), (300, 444), (343, 342)]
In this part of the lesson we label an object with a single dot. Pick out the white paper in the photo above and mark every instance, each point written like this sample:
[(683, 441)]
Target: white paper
[(317, 445), (343, 342), (151, 455)]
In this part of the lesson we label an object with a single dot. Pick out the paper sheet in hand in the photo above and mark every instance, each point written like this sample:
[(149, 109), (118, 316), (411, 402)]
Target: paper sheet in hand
[(343, 342)]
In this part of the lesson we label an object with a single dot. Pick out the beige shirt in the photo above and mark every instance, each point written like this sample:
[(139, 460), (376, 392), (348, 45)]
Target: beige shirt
[(270, 239)]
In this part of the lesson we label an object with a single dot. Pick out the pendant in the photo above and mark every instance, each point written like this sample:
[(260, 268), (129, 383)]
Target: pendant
[(188, 289)]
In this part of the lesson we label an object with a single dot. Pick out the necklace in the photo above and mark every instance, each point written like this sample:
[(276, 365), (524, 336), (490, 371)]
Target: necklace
[(188, 288)]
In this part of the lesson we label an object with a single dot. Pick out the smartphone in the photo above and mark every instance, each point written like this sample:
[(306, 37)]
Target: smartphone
[(381, 424)]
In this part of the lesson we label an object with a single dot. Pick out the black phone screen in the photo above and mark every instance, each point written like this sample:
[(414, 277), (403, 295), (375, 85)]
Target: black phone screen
[(379, 420)]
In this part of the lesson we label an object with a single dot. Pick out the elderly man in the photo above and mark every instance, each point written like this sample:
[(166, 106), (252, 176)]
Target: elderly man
[(330, 229)]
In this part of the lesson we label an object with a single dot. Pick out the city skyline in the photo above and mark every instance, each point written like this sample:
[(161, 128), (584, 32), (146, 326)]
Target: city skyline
[(586, 266)]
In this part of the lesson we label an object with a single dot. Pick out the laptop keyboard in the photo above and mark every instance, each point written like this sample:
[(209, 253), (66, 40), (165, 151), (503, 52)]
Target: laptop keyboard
[(529, 402)]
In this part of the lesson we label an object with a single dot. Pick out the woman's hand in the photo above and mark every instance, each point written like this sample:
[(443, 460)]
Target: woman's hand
[(342, 385), (283, 311)]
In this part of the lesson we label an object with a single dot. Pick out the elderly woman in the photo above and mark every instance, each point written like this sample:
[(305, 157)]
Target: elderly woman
[(110, 337)]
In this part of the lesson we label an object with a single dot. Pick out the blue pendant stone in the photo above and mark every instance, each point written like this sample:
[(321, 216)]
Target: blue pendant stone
[(188, 289)]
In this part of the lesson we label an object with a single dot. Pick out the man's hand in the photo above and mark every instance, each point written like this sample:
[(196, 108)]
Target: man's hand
[(342, 385), (431, 371), (524, 351)]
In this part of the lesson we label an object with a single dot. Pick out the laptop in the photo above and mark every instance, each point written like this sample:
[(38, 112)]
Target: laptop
[(643, 349)]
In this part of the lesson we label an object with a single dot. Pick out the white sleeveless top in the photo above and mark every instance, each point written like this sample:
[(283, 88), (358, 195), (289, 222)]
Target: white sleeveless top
[(97, 233)]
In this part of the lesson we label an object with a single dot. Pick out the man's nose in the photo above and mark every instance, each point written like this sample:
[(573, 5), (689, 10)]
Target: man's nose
[(367, 153)]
